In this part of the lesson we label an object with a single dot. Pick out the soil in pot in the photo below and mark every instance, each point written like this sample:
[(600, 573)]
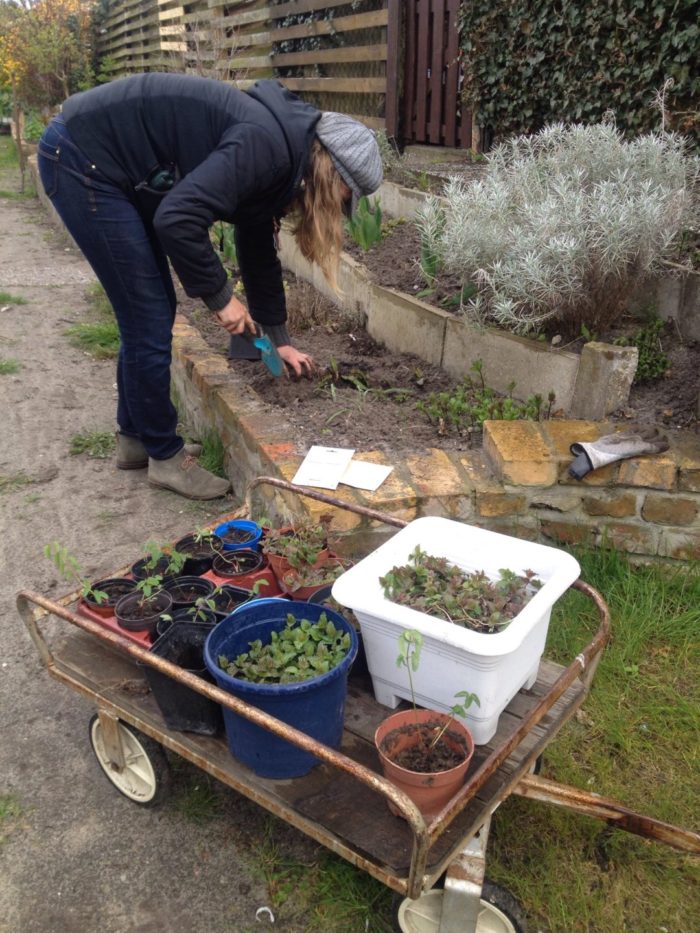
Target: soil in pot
[(245, 568), (226, 598), (114, 588), (138, 614), (429, 776), (185, 591), (239, 533), (200, 552)]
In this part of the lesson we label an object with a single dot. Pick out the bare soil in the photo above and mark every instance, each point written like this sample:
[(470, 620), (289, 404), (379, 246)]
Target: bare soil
[(365, 397), (362, 396)]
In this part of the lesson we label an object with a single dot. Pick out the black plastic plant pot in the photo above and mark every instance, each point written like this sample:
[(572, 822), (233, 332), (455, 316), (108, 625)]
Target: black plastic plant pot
[(136, 614), (185, 591), (238, 563), (192, 614), (227, 598), (200, 553), (140, 571), (114, 588), (183, 709)]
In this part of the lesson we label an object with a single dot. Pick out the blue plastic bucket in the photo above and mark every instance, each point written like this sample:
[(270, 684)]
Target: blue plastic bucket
[(239, 524), (314, 706)]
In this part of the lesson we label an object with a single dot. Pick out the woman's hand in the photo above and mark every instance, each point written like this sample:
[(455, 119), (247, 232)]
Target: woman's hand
[(235, 319), (300, 363)]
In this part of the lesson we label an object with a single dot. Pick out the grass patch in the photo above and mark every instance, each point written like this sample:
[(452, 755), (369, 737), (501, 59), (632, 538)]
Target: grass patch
[(635, 740), (10, 811), (212, 455), (197, 801), (98, 444), (9, 366), (99, 338), (7, 298), (325, 894), (12, 481)]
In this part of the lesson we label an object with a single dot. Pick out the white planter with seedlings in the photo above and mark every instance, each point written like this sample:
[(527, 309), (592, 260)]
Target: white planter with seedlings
[(494, 665)]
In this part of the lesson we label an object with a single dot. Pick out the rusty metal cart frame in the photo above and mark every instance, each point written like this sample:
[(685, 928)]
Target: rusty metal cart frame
[(453, 844)]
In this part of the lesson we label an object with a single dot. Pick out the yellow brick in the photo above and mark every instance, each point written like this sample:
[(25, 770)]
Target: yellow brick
[(519, 453), (658, 472), (435, 475), (615, 506), (669, 510), (493, 505), (562, 434)]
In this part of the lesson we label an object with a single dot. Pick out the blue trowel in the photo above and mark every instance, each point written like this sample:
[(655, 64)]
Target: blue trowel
[(257, 346)]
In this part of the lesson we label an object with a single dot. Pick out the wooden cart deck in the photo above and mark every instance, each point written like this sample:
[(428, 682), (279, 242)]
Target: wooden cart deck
[(329, 805)]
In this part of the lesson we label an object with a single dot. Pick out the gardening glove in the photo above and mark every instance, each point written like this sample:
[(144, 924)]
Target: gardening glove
[(612, 447)]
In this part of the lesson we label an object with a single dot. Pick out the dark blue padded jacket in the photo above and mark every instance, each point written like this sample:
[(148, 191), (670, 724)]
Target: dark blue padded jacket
[(238, 156)]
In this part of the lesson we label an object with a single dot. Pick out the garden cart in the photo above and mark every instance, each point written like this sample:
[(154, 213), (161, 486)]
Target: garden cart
[(435, 868)]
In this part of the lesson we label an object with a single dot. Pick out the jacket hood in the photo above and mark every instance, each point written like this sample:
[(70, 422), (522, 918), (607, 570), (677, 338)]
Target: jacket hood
[(297, 121)]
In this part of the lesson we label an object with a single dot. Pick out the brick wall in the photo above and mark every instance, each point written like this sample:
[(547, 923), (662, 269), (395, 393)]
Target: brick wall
[(647, 506)]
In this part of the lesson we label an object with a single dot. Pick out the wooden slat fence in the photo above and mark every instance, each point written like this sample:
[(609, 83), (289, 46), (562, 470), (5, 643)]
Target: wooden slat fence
[(332, 51)]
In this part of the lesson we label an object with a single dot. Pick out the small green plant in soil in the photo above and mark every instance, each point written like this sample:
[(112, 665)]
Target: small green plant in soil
[(97, 444), (365, 226), (653, 362), (9, 366), (225, 240), (314, 576), (427, 755), (464, 410), (434, 586), (301, 544), (70, 569), (302, 650)]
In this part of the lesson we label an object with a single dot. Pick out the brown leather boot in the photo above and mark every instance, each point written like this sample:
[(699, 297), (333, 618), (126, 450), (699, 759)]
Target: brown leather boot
[(185, 476), (132, 455)]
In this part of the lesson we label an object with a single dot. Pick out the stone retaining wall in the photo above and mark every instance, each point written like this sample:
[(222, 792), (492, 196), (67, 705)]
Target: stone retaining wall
[(518, 483)]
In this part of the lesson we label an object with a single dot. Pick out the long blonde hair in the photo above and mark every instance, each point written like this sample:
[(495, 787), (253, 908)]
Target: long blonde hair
[(318, 212)]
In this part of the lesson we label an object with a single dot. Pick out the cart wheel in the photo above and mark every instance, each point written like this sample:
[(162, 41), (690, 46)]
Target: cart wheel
[(500, 912), (145, 778)]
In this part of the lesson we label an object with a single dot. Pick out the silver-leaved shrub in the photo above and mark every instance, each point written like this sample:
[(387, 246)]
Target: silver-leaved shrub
[(564, 225)]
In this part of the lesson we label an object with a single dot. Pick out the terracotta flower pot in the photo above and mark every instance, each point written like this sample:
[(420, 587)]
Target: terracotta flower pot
[(430, 791), (115, 588)]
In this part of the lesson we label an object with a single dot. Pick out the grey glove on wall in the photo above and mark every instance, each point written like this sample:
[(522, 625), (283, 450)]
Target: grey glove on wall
[(612, 447)]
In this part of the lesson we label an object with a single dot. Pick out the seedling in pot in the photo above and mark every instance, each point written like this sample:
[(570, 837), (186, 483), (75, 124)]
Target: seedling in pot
[(421, 757), (301, 544), (434, 586), (302, 650), (70, 569), (167, 561)]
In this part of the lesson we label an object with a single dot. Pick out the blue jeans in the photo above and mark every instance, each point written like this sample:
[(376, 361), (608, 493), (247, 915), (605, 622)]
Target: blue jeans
[(121, 246)]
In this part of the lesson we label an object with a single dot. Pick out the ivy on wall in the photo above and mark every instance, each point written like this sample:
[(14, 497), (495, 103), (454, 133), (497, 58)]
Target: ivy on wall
[(531, 62)]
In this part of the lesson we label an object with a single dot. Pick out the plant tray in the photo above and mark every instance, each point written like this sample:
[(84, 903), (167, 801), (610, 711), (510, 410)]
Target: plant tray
[(110, 622), (454, 658)]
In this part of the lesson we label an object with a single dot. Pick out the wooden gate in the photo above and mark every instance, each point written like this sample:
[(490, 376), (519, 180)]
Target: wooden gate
[(432, 110)]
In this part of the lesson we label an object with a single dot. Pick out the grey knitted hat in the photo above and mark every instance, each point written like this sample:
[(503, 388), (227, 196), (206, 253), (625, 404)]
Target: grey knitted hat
[(354, 151)]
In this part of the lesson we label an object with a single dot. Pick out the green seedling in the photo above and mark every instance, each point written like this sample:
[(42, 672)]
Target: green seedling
[(365, 226), (9, 366), (70, 569), (437, 588), (410, 647), (459, 709), (302, 650)]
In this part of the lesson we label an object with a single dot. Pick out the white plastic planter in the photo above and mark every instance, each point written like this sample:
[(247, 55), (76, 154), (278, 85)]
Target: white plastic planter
[(494, 666)]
